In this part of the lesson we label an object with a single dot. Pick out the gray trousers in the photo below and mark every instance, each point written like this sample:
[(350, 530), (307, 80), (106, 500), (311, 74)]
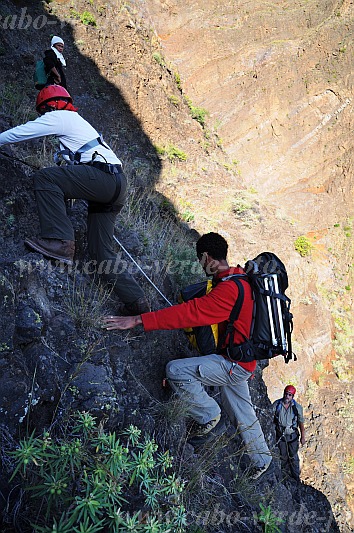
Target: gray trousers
[(188, 376), (53, 186)]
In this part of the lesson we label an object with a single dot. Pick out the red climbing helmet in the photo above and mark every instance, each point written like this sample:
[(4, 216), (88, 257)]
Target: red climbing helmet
[(54, 97), (291, 389)]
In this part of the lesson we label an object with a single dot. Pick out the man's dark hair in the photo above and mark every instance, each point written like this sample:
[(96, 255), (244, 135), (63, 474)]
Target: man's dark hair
[(214, 244)]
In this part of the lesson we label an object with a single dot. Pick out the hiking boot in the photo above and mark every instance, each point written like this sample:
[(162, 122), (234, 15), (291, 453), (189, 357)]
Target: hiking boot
[(197, 441), (258, 472), (138, 307), (198, 430), (53, 248)]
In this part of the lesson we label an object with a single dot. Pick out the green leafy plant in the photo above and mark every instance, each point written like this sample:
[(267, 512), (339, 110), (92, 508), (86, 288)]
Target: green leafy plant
[(158, 58), (178, 80), (303, 246), (186, 211), (348, 467), (319, 367), (86, 17), (343, 337), (174, 100), (187, 216), (198, 113), (91, 480), (269, 520), (171, 152), (241, 205)]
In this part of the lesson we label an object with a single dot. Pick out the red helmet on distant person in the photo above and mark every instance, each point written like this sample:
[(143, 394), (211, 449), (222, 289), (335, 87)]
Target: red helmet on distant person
[(291, 389), (54, 97)]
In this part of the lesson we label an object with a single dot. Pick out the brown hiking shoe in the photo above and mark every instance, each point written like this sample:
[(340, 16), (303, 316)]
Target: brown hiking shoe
[(257, 472), (53, 248), (138, 307), (200, 440), (198, 430)]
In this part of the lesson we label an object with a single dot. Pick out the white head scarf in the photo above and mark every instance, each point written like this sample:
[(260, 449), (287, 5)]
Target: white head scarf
[(56, 40)]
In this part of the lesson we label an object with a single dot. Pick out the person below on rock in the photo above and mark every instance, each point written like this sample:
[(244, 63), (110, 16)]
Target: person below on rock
[(187, 377), (98, 178), (288, 419), (54, 63)]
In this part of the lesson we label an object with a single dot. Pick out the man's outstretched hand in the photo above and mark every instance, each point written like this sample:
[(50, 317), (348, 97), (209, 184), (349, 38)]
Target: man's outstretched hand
[(120, 322)]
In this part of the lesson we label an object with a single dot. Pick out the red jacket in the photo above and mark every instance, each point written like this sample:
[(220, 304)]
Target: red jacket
[(213, 308)]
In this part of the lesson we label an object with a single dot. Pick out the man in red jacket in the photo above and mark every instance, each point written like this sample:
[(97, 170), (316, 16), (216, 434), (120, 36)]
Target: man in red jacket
[(188, 376)]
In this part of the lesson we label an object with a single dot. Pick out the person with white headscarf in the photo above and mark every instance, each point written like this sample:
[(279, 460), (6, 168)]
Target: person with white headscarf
[(54, 63)]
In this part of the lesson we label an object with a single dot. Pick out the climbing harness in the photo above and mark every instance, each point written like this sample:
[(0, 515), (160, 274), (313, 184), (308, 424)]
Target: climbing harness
[(74, 158)]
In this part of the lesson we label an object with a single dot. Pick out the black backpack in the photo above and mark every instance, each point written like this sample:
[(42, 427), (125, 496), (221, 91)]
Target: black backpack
[(272, 321)]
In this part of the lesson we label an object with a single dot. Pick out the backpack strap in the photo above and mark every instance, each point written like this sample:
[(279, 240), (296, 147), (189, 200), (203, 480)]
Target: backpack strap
[(296, 414), (235, 312), (276, 413), (288, 324)]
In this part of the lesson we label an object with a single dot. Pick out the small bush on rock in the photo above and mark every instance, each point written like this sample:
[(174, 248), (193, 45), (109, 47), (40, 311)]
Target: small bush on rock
[(303, 245)]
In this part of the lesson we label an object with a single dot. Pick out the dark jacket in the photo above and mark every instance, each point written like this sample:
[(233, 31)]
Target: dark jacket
[(50, 60)]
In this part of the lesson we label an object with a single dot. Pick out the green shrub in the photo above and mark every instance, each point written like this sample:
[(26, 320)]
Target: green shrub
[(241, 205), (198, 113), (348, 467), (343, 337), (269, 519), (86, 17), (178, 80), (319, 366), (303, 245), (90, 480), (158, 58), (171, 152), (174, 100), (187, 215)]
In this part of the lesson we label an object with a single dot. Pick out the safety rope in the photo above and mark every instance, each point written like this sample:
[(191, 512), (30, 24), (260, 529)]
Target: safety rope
[(139, 267), (141, 270), (19, 160)]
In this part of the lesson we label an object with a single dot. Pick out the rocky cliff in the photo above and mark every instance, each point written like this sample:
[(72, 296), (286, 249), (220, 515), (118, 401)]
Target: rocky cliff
[(274, 152)]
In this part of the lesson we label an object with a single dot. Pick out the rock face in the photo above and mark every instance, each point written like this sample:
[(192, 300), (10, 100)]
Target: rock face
[(275, 133)]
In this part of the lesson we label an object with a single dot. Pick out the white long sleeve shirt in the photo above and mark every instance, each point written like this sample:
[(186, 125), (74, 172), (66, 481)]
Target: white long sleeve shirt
[(72, 130)]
